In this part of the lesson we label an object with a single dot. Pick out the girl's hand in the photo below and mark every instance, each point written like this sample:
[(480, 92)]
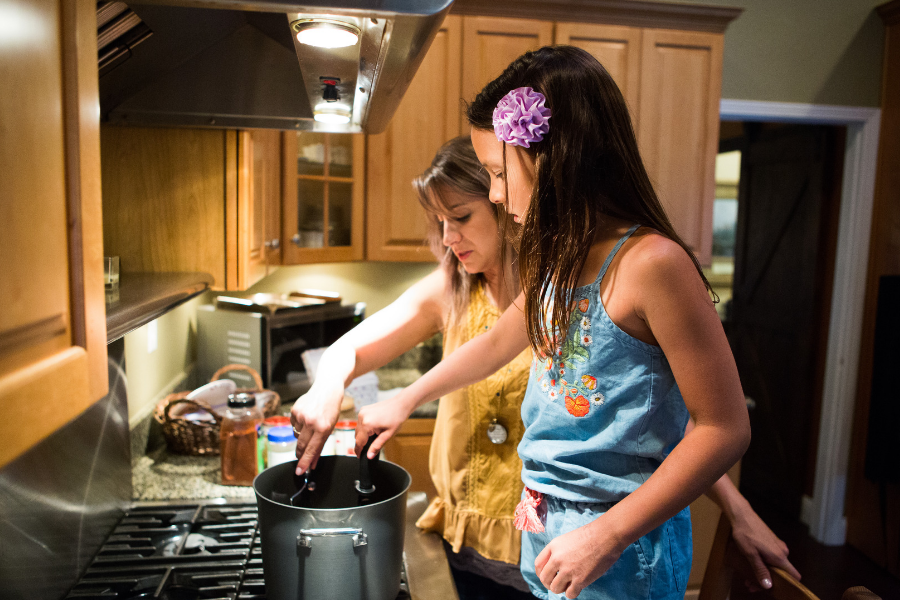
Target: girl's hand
[(576, 559), (313, 417), (761, 547), (381, 419)]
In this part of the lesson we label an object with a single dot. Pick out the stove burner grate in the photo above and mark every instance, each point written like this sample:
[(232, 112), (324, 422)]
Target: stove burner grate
[(181, 552)]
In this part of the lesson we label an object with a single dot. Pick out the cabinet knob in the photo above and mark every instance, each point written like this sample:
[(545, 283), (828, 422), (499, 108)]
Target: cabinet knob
[(296, 239), (273, 244)]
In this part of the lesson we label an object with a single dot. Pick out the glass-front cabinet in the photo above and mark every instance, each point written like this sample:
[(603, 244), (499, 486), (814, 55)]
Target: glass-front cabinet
[(323, 197)]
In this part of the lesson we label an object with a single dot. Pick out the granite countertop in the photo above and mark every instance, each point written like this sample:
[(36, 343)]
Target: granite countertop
[(164, 475)]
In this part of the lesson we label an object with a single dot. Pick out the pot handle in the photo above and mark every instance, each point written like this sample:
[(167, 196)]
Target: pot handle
[(304, 540)]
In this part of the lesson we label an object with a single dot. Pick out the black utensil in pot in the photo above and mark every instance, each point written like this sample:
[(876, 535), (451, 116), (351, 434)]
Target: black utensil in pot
[(303, 484), (364, 484)]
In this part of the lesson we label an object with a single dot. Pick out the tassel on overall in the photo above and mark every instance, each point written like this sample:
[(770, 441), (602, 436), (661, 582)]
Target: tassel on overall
[(526, 518)]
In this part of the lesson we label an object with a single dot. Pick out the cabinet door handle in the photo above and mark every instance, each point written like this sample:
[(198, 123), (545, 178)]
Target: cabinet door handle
[(273, 244), (296, 239)]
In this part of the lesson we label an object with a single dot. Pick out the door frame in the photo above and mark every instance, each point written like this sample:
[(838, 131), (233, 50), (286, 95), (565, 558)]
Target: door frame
[(824, 511)]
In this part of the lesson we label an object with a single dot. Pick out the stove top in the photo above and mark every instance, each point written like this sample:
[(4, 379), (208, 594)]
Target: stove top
[(181, 552)]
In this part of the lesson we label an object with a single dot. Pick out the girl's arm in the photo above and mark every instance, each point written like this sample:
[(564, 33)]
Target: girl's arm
[(414, 317), (759, 544), (674, 304), (475, 360)]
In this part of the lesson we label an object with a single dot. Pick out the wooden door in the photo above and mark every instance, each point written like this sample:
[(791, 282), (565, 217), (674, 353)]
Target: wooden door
[(53, 324), (259, 229), (778, 325), (429, 115), (618, 49), (491, 43), (681, 81)]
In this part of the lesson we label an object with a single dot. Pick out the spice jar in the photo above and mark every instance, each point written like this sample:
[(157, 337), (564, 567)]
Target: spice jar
[(282, 446), (237, 440), (345, 438), (264, 427)]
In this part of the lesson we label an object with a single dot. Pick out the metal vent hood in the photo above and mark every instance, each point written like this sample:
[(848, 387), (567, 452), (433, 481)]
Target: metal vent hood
[(238, 64)]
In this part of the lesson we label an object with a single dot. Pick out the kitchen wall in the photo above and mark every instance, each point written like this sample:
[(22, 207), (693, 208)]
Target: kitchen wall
[(154, 372), (375, 283), (806, 51)]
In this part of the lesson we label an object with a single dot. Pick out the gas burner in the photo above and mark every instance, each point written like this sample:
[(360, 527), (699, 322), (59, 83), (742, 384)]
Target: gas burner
[(181, 552)]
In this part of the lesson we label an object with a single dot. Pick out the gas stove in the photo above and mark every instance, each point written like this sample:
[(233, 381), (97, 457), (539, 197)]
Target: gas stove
[(207, 551)]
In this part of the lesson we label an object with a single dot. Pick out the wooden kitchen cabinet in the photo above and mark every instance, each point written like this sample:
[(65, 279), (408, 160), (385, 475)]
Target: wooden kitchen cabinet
[(467, 53), (678, 127), (410, 448), (669, 75), (323, 189), (618, 48), (192, 200), (53, 324), (260, 163), (429, 115), (491, 43)]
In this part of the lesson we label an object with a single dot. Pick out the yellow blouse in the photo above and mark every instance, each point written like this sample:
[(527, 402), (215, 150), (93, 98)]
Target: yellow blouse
[(478, 482)]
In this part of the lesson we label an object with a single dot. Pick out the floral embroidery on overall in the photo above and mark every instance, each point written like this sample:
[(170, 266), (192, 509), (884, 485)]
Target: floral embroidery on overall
[(555, 371)]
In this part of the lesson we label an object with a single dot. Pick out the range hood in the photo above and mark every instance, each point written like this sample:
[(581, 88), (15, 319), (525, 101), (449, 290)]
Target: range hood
[(239, 64)]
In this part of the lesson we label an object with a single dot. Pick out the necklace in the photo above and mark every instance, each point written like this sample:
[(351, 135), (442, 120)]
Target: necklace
[(496, 432)]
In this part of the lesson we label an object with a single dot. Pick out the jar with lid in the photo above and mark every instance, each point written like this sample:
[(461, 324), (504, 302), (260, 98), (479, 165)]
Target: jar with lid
[(238, 439), (345, 438), (282, 445), (264, 427)]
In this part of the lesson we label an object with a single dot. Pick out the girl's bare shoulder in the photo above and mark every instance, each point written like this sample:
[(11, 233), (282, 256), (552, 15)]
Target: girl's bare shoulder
[(664, 270)]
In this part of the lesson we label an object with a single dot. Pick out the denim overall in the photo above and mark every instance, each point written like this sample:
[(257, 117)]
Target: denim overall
[(600, 417)]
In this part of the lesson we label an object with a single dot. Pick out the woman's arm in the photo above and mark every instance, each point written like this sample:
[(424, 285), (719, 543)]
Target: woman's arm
[(759, 544), (414, 317), (676, 307), (475, 360)]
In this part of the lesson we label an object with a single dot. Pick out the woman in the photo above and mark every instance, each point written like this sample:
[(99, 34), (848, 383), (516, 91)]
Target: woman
[(478, 481)]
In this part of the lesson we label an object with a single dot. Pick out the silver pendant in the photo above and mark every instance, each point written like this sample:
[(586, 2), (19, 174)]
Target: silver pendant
[(496, 432)]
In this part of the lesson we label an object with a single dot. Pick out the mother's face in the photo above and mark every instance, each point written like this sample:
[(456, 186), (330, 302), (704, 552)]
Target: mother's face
[(471, 231)]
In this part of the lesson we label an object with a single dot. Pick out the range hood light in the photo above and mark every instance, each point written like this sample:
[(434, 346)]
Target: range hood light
[(333, 115), (325, 33)]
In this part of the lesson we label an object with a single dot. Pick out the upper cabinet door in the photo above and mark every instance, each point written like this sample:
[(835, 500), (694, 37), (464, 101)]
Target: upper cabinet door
[(681, 83), (429, 115), (259, 224), (617, 48), (323, 186), (53, 324), (491, 43)]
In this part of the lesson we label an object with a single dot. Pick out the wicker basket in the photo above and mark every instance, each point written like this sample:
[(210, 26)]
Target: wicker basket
[(201, 438)]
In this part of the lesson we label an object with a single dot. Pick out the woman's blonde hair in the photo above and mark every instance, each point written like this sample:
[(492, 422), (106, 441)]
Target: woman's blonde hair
[(456, 169)]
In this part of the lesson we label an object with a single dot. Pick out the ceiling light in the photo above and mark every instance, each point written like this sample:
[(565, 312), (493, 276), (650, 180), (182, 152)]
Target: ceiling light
[(333, 114), (325, 33)]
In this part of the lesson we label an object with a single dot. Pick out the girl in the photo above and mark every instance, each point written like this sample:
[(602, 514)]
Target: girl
[(477, 480), (625, 339)]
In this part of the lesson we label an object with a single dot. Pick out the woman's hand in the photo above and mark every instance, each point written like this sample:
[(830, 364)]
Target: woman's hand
[(381, 419), (574, 560), (761, 547), (313, 417)]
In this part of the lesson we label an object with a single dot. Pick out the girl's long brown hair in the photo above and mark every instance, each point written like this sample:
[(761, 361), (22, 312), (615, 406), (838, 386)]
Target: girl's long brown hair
[(455, 168), (587, 167)]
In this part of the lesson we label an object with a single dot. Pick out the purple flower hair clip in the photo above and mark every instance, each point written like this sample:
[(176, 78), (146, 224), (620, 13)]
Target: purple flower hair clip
[(521, 117)]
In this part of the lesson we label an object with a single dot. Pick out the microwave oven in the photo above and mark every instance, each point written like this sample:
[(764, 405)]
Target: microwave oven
[(270, 342)]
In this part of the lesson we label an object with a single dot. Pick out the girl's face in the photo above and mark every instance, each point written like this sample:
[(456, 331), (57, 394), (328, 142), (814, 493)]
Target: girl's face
[(470, 230), (519, 172)]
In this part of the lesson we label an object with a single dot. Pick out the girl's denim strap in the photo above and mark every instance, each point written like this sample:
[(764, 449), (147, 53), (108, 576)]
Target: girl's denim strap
[(613, 252)]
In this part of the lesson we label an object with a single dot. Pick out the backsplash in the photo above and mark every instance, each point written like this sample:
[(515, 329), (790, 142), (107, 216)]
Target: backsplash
[(60, 499)]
